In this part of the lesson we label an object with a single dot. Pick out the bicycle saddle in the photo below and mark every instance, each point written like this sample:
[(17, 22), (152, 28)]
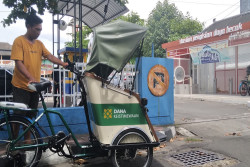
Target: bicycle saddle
[(39, 86)]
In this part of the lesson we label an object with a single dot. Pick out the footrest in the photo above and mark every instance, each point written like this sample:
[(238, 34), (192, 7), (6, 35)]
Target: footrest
[(162, 137), (13, 105)]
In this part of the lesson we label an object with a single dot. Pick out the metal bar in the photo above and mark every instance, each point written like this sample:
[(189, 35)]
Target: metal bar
[(53, 35), (64, 97), (58, 36), (65, 125), (74, 29), (66, 5), (132, 145), (93, 9), (80, 47), (60, 86), (236, 69), (68, 9), (4, 50), (109, 18), (9, 128)]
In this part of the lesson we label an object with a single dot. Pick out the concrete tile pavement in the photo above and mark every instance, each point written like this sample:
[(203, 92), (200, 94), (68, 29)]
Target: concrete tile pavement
[(232, 99)]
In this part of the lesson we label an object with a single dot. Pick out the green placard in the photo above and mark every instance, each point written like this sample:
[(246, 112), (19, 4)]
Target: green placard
[(118, 114)]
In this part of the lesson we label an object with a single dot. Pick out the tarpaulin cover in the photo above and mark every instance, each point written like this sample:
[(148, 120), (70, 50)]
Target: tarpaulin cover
[(114, 44)]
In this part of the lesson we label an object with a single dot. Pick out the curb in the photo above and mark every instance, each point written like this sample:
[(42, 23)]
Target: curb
[(167, 133), (184, 132)]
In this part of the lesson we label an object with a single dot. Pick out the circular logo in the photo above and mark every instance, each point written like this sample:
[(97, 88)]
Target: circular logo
[(158, 80)]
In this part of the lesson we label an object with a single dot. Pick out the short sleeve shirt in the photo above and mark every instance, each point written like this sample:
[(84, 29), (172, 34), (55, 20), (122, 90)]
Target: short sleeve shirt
[(31, 56)]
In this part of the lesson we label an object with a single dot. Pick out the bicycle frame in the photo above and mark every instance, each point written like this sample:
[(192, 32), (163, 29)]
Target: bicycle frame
[(45, 112)]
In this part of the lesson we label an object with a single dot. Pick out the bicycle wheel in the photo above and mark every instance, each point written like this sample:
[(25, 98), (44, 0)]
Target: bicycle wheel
[(243, 89), (132, 157), (24, 157)]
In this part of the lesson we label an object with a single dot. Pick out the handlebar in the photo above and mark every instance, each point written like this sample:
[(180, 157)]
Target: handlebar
[(71, 66)]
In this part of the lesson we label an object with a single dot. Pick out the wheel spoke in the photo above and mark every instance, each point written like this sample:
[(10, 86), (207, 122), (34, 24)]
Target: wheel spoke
[(23, 157), (132, 157)]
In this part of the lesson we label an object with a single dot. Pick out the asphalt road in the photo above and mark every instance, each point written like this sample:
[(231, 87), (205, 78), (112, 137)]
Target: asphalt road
[(221, 128), (224, 127)]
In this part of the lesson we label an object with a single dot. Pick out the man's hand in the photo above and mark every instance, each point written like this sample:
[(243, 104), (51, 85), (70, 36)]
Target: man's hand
[(31, 80), (55, 60), (65, 65)]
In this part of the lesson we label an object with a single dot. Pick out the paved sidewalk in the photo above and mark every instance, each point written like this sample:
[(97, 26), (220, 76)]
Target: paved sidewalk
[(232, 99)]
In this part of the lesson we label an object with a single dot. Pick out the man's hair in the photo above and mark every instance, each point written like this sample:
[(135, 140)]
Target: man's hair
[(32, 20)]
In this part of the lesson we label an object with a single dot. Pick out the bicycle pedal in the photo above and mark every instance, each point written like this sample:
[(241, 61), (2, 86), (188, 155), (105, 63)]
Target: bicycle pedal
[(7, 161)]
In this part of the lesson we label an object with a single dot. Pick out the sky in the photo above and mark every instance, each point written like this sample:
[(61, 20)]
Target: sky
[(202, 10)]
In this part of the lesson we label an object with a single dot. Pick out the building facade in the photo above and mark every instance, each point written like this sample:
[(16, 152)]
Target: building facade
[(215, 60)]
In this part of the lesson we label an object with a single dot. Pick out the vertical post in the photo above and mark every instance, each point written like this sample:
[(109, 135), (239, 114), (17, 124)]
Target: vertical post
[(64, 92), (236, 69), (215, 85), (153, 50), (57, 52), (230, 86), (191, 85), (80, 47), (53, 38), (74, 31), (58, 36), (224, 76)]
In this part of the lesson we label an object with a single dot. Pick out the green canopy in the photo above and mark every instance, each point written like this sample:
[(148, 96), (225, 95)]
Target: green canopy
[(114, 44)]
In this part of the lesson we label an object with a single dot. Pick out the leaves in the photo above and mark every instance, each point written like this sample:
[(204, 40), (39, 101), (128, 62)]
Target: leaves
[(85, 33), (165, 24), (133, 17), (18, 8)]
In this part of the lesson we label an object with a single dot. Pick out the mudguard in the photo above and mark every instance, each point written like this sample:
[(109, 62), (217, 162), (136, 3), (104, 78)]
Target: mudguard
[(26, 118)]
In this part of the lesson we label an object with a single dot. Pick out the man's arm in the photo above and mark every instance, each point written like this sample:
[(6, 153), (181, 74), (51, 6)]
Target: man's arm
[(55, 60), (20, 66)]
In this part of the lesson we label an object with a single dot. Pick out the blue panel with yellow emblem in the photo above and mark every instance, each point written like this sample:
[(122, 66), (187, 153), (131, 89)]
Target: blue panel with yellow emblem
[(156, 83)]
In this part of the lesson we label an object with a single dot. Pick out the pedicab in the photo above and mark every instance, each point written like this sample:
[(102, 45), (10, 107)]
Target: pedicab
[(117, 120), (118, 116)]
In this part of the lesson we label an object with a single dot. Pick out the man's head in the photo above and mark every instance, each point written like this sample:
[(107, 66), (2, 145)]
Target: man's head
[(34, 26)]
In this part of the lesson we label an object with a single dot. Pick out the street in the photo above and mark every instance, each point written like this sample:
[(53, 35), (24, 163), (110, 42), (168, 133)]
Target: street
[(221, 128)]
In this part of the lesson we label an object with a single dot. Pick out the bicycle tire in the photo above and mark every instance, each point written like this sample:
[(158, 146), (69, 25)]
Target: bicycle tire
[(133, 157), (243, 89), (25, 157)]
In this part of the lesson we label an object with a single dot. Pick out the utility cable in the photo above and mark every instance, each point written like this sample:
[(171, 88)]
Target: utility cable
[(199, 3), (221, 12)]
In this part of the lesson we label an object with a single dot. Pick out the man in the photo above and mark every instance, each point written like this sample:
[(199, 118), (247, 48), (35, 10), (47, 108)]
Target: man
[(27, 52)]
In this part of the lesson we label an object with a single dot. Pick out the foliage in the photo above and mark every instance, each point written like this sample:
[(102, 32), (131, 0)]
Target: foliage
[(165, 24), (85, 33), (133, 17), (21, 8)]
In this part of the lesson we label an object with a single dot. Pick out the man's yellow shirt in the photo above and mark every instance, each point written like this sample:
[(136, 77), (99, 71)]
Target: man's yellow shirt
[(31, 56)]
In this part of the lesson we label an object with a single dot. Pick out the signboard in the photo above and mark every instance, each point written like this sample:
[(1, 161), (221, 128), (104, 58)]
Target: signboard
[(206, 35), (213, 53), (158, 80), (154, 81)]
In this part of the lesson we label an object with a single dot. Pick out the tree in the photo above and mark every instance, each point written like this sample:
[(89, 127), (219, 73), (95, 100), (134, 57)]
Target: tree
[(133, 17), (85, 33), (165, 24), (21, 8)]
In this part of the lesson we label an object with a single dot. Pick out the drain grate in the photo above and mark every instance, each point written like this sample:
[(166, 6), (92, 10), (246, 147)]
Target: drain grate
[(196, 157)]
